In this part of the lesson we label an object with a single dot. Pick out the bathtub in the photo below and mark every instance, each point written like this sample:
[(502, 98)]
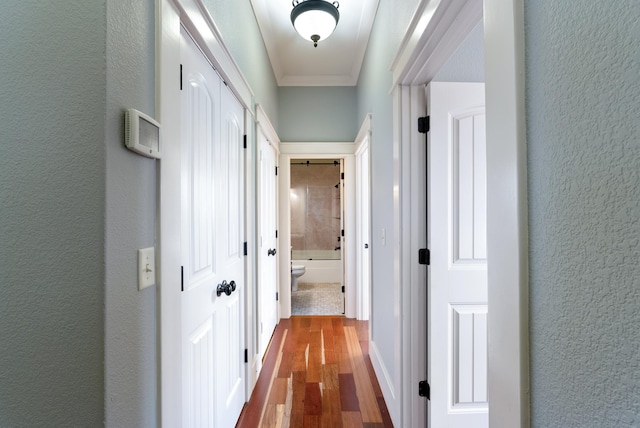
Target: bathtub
[(320, 268)]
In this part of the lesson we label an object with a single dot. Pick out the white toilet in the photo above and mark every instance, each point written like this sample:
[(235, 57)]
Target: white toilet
[(296, 271)]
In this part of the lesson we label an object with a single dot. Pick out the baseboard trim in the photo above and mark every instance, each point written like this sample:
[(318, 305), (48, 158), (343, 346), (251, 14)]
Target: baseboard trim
[(386, 384)]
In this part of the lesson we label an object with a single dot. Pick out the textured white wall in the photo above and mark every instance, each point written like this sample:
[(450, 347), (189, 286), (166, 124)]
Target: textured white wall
[(583, 98), (52, 109)]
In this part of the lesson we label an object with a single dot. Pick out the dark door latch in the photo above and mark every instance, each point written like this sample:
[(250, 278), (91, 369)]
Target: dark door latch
[(226, 288)]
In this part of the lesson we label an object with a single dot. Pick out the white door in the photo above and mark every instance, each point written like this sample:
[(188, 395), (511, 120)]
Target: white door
[(212, 242), (267, 285), (457, 291)]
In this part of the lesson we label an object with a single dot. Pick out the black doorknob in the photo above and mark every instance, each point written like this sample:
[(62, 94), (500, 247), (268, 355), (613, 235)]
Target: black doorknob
[(226, 288), (271, 252)]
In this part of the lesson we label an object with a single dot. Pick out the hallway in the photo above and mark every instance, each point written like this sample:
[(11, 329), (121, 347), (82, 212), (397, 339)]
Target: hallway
[(317, 373)]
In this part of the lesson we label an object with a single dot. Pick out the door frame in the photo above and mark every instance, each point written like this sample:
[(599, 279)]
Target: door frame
[(193, 15), (317, 150), (437, 29), (363, 186)]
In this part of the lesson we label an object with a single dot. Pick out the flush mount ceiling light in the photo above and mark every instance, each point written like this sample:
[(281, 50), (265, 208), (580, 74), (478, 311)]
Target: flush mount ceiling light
[(314, 19)]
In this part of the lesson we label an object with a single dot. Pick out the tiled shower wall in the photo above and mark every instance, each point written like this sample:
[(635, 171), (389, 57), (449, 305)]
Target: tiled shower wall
[(315, 206)]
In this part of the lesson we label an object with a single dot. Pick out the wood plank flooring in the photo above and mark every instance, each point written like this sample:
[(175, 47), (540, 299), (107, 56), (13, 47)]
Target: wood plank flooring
[(317, 373)]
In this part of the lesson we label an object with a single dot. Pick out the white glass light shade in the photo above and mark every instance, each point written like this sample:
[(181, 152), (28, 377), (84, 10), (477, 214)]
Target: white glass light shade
[(315, 22), (315, 19)]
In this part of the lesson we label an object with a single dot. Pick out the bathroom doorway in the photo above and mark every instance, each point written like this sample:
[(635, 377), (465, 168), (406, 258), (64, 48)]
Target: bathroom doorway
[(344, 153), (317, 234)]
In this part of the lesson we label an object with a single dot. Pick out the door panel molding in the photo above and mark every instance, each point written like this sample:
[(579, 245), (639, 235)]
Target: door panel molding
[(457, 289)]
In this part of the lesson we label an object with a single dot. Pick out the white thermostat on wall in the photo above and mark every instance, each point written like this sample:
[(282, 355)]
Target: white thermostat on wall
[(141, 133)]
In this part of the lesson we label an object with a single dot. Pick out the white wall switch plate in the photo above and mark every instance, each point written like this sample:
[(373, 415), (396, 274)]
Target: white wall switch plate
[(146, 267)]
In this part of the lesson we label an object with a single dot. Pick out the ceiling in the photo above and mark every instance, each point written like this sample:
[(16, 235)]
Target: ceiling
[(335, 62)]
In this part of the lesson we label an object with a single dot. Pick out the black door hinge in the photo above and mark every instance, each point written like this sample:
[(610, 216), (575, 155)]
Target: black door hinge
[(342, 176), (342, 232), (343, 288), (181, 278), (246, 250), (245, 141), (423, 124), (424, 256), (276, 233), (276, 170), (246, 355), (277, 297), (424, 390), (180, 76)]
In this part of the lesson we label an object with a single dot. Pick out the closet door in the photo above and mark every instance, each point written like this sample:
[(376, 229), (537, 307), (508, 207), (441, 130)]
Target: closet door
[(212, 194), (268, 243)]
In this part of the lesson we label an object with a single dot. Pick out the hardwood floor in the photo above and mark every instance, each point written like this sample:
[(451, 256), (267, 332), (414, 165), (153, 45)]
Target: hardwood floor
[(317, 373)]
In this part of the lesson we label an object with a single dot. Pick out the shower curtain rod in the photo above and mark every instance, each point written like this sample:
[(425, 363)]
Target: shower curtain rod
[(307, 163)]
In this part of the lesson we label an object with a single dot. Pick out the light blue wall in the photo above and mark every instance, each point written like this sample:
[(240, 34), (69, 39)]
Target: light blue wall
[(131, 329), (130, 194), (52, 179), (374, 86), (583, 99), (467, 62), (76, 206), (315, 113), (241, 35)]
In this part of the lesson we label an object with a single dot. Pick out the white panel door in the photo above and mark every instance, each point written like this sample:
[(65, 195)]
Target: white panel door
[(212, 239), (230, 357), (268, 243), (457, 293)]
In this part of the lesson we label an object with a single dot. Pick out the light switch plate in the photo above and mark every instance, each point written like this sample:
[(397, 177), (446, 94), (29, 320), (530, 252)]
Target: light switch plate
[(146, 267)]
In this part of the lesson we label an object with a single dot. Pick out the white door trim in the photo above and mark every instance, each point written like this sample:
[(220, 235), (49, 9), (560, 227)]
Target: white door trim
[(316, 150), (191, 14), (251, 267), (436, 30), (363, 133), (363, 288), (262, 120), (507, 214)]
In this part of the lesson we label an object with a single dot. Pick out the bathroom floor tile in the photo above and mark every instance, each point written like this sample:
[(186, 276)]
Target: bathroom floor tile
[(317, 299)]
